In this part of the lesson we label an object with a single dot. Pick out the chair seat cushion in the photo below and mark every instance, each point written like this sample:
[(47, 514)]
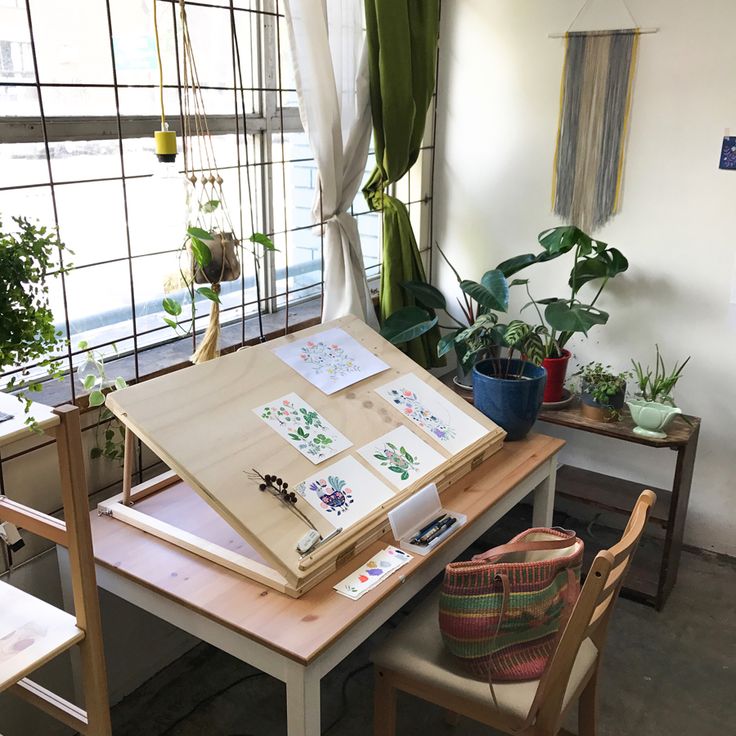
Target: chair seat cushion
[(416, 650)]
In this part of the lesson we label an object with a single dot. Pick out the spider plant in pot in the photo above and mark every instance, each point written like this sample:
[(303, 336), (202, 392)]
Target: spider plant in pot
[(602, 392), (563, 317), (472, 337), (30, 255), (654, 408)]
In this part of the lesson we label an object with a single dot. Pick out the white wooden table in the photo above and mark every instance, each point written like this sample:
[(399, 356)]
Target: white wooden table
[(298, 641)]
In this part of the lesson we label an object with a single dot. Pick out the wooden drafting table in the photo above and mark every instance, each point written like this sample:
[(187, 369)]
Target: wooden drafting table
[(200, 422), (299, 640)]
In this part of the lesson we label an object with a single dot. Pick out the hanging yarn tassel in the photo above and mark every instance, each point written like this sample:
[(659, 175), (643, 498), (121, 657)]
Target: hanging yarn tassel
[(209, 347)]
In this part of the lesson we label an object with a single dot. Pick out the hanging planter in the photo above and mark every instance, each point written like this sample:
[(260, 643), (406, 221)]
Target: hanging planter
[(210, 250)]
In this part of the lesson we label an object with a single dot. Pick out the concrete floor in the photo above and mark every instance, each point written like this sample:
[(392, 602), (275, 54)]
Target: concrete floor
[(665, 673)]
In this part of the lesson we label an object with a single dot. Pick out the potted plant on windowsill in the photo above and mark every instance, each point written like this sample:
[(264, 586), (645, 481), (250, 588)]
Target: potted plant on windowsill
[(602, 392), (654, 408), (29, 255), (561, 318)]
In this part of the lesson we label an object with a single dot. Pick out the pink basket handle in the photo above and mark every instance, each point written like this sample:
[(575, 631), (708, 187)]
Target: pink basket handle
[(504, 549)]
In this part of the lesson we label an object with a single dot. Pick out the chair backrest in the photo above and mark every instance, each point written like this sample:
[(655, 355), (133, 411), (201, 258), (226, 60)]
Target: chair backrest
[(592, 612)]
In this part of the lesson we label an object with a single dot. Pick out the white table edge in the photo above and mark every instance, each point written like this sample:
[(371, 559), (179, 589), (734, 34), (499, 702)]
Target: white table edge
[(303, 680)]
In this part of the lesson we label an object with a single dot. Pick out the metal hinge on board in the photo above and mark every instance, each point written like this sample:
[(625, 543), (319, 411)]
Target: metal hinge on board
[(101, 511)]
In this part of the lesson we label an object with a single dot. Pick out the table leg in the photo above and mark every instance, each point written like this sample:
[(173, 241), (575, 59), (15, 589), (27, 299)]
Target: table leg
[(67, 596), (303, 712), (544, 497)]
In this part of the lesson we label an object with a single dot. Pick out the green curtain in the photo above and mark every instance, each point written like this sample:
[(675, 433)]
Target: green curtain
[(402, 54)]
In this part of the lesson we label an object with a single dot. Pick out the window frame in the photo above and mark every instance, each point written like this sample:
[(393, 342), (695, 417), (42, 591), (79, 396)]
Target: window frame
[(273, 119)]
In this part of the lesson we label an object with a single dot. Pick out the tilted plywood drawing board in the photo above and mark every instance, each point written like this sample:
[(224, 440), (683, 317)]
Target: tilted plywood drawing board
[(200, 422)]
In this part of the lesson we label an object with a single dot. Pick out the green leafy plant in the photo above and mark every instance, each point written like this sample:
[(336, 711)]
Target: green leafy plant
[(109, 432), (196, 242), (562, 318), (478, 303), (657, 384), (602, 385), (28, 333)]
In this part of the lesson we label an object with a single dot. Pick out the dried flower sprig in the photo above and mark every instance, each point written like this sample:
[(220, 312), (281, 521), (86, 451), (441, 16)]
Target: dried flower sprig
[(280, 489)]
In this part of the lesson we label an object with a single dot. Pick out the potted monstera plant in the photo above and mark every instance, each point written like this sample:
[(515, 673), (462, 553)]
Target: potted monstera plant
[(560, 318), (29, 255)]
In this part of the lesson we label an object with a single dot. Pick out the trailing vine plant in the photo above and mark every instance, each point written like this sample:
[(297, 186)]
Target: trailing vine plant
[(109, 432)]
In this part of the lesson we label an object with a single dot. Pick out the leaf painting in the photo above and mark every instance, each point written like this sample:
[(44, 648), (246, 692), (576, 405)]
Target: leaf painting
[(398, 460), (401, 457), (303, 427)]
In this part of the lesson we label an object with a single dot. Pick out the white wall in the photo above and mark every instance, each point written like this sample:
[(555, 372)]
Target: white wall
[(498, 103)]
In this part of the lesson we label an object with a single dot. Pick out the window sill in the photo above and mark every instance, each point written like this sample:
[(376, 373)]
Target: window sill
[(172, 356)]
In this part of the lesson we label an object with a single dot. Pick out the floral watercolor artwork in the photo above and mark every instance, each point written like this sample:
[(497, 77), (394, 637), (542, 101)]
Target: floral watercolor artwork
[(411, 406), (303, 427), (330, 360), (345, 492), (427, 409), (401, 457)]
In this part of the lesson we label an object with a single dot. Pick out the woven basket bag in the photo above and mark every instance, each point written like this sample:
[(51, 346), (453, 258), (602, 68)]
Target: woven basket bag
[(500, 613)]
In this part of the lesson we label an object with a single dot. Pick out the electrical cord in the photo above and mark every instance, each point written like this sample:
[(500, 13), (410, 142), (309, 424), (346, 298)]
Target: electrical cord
[(160, 65), (223, 690), (209, 699), (344, 698)]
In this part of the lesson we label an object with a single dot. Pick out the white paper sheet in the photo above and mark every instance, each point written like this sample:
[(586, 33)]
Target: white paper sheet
[(445, 423), (344, 493), (303, 427), (331, 360), (401, 457)]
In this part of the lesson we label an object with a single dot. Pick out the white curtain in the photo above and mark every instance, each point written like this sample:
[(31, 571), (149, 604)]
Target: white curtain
[(331, 70)]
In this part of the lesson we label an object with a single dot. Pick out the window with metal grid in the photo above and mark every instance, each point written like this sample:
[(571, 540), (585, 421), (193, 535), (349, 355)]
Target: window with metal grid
[(78, 107)]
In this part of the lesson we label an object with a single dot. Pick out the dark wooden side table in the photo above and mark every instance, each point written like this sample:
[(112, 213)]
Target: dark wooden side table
[(647, 581), (653, 572)]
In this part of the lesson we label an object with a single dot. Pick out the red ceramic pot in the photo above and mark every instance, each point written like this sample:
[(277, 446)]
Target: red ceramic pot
[(556, 371)]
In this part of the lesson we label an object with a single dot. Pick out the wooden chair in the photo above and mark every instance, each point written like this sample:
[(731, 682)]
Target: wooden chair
[(414, 659), (35, 632)]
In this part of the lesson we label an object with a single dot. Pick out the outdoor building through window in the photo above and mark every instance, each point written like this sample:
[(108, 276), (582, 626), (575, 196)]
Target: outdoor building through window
[(79, 102)]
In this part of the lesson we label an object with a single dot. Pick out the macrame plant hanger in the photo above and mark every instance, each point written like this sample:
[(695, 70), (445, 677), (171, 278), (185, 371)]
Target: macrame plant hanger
[(595, 102), (211, 240)]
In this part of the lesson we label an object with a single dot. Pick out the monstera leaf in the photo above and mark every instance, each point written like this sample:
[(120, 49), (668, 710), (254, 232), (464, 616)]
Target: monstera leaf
[(563, 316)]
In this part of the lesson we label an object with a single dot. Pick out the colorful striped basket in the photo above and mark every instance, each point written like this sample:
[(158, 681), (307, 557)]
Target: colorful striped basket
[(500, 613)]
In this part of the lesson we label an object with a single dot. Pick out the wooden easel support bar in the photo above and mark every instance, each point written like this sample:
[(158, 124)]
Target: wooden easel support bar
[(33, 521), (53, 704), (117, 508), (128, 463)]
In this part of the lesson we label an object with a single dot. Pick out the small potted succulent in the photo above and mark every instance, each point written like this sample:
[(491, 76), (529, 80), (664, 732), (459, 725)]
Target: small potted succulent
[(654, 408), (602, 392)]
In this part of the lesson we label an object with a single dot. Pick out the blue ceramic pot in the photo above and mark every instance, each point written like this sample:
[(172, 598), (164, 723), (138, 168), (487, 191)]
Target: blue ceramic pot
[(512, 403)]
